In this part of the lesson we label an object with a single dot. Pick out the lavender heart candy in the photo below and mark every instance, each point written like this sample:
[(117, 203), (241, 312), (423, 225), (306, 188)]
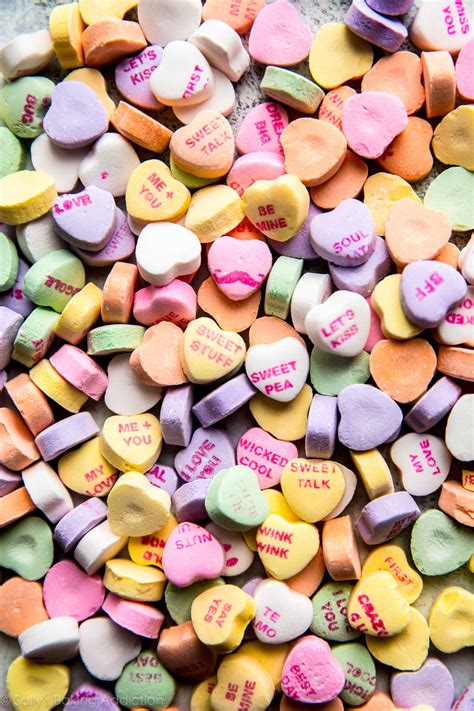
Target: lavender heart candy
[(384, 32), (429, 290), (345, 235), (176, 418), (465, 700), (10, 322), (384, 518), (15, 298), (209, 451), (86, 219), (75, 524), (224, 400), (391, 7), (119, 248), (9, 480), (369, 417), (87, 697), (66, 434), (298, 246), (433, 405), (163, 477), (76, 117), (188, 501), (321, 431), (364, 278), (432, 685)]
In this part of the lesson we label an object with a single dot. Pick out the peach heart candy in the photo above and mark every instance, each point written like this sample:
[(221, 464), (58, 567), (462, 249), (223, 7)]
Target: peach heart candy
[(205, 147)]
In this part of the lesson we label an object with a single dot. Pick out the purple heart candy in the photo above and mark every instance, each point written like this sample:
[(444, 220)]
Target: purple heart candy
[(390, 7), (87, 697), (465, 700), (384, 518), (14, 298), (369, 417), (87, 219), (189, 501), (298, 246), (10, 322), (321, 431), (119, 248), (345, 235), (176, 417), (364, 279), (163, 477), (384, 32), (66, 434), (75, 524), (430, 289), (433, 405), (209, 451), (224, 400), (76, 117), (432, 685), (132, 77), (9, 480)]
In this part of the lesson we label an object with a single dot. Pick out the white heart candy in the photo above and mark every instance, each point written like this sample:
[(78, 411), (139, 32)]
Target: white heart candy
[(281, 613), (340, 325), (26, 54), (183, 77), (61, 164), (460, 429), (458, 324), (311, 290), (163, 21), (125, 394), (100, 633), (38, 238), (466, 261), (222, 47), (441, 24), (109, 164), (238, 556), (279, 370), (51, 641), (222, 100), (424, 462), (166, 251)]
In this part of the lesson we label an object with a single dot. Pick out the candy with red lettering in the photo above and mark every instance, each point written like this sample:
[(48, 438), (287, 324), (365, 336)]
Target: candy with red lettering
[(183, 75), (423, 460)]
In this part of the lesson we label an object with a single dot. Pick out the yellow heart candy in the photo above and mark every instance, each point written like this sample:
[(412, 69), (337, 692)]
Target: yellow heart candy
[(276, 503), (49, 381), (278, 208), (96, 10), (201, 697), (66, 28), (131, 443), (405, 651), (377, 607), (153, 195), (312, 488), (454, 136), (136, 507), (452, 620), (205, 147), (338, 55), (36, 687), (134, 582), (388, 306), (214, 212), (86, 471), (80, 314), (220, 616), (94, 80), (286, 547), (242, 683), (393, 560), (381, 191), (284, 420), (208, 353), (271, 657), (25, 196), (374, 472), (148, 550)]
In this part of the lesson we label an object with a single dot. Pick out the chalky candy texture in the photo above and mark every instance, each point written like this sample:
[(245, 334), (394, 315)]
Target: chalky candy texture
[(209, 451), (363, 278), (432, 684), (175, 415), (119, 247), (438, 544), (381, 423), (384, 32), (72, 527), (87, 219), (298, 246), (15, 298), (433, 405), (224, 401), (76, 117), (63, 435), (384, 518), (189, 500)]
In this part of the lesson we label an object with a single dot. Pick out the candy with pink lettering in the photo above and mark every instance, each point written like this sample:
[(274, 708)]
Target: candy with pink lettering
[(238, 557), (87, 219), (75, 524), (344, 236), (10, 323), (432, 685), (384, 518), (340, 325), (257, 165), (80, 371), (132, 77), (137, 617), (15, 298), (465, 699), (35, 336), (364, 278), (298, 246), (87, 696), (456, 327), (163, 476), (76, 117), (433, 405), (68, 591), (429, 290), (191, 553), (66, 434), (175, 302), (239, 267), (321, 433), (224, 400), (265, 455), (312, 289), (281, 614), (278, 370), (261, 129), (109, 164), (385, 32), (330, 613), (189, 501), (381, 421), (279, 36), (183, 77), (54, 279), (441, 25), (235, 501), (423, 460), (176, 416), (209, 451), (311, 673)]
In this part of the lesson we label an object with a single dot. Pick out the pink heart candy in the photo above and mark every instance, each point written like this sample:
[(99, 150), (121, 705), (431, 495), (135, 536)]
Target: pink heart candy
[(371, 120), (191, 553), (279, 36), (259, 165), (175, 302), (239, 267), (261, 129), (311, 673), (87, 219), (265, 455)]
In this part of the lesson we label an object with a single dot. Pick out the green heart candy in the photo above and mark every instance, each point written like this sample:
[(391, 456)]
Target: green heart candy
[(8, 263), (12, 153), (235, 501), (145, 682), (27, 548), (331, 373), (24, 103), (439, 545), (54, 279), (179, 600), (35, 336), (359, 670), (330, 613)]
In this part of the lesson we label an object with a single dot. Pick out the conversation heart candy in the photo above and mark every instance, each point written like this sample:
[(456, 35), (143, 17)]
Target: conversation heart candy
[(459, 429), (209, 450), (96, 226), (240, 17), (135, 582), (291, 89), (359, 670), (95, 80), (399, 157), (438, 26), (327, 150), (431, 286), (17, 446), (148, 550), (26, 54), (60, 164), (205, 147), (456, 328), (13, 154), (214, 211), (387, 304), (250, 167), (221, 100), (153, 194), (273, 622), (83, 694), (381, 191), (265, 455), (311, 673), (109, 164), (154, 685), (279, 36), (251, 260), (164, 477), (382, 417), (453, 136), (27, 548), (209, 353), (424, 462), (393, 560), (190, 554), (451, 619), (333, 103), (345, 236), (220, 616), (98, 633), (388, 33), (10, 323), (278, 370), (346, 183), (241, 673), (175, 302), (131, 443), (78, 522), (47, 491), (377, 607), (54, 279), (438, 545), (132, 77), (163, 21), (456, 501), (447, 194), (165, 251), (24, 105), (140, 397), (109, 40), (192, 84), (311, 289), (439, 78), (364, 278), (76, 117), (179, 600), (34, 684), (366, 124), (286, 547), (234, 499), (337, 55), (405, 651), (21, 606), (66, 434), (176, 415), (432, 683), (136, 507), (222, 47), (374, 472), (238, 557), (282, 282), (433, 405), (384, 517), (463, 71), (278, 207), (69, 591), (224, 401), (340, 325), (140, 128), (86, 471), (330, 613), (284, 420), (25, 196), (184, 654), (388, 356), (331, 373), (312, 488), (414, 232), (398, 74)]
